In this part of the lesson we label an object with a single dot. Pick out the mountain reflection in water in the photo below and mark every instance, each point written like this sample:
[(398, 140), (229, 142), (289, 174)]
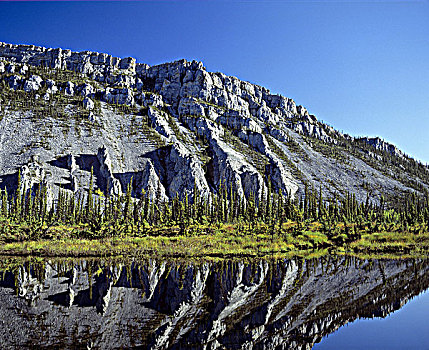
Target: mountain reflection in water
[(153, 304)]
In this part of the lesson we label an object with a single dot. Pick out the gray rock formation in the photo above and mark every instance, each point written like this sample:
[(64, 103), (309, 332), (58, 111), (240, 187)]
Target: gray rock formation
[(71, 163), (176, 125), (88, 103), (69, 89), (384, 146), (33, 83), (113, 186), (183, 172), (151, 184), (281, 178), (86, 90), (119, 95)]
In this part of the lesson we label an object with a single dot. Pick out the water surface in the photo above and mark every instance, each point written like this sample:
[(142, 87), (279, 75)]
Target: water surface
[(156, 304), (407, 328)]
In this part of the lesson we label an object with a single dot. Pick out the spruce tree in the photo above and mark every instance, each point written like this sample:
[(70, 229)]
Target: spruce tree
[(5, 210), (269, 203), (17, 206), (90, 199), (128, 202)]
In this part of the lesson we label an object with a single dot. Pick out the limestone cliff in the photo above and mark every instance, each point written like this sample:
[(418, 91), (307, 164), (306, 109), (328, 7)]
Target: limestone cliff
[(173, 127)]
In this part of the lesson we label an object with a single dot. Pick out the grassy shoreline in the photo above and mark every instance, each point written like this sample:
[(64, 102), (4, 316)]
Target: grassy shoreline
[(224, 244)]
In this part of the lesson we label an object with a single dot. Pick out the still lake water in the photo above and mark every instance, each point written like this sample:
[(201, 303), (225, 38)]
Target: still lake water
[(263, 304), (407, 328)]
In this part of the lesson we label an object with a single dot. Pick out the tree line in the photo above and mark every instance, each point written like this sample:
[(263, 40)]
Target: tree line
[(343, 216)]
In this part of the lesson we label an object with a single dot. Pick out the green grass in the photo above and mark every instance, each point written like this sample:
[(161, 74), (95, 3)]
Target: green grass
[(393, 243), (223, 241)]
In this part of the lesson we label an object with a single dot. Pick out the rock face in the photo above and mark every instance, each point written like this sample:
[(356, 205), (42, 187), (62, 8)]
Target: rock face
[(88, 103), (173, 127), (384, 146), (33, 83), (112, 184), (287, 304)]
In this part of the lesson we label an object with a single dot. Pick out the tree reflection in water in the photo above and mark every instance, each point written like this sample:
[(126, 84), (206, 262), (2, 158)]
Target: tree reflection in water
[(290, 303)]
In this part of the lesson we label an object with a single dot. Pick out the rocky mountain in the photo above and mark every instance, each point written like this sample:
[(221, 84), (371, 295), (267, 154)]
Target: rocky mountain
[(283, 304), (172, 127)]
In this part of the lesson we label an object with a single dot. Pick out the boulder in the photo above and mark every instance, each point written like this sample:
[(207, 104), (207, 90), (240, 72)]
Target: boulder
[(88, 104), (34, 83), (86, 90), (15, 82), (23, 70), (69, 88)]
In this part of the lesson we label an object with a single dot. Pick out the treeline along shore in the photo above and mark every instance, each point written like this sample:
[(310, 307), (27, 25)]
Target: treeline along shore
[(221, 224)]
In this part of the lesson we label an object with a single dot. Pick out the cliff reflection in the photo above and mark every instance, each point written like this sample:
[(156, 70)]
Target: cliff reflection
[(288, 304)]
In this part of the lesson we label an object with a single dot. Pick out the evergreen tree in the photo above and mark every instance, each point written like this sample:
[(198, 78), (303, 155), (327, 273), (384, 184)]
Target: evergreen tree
[(268, 210), (128, 203), (90, 199), (17, 207), (4, 210)]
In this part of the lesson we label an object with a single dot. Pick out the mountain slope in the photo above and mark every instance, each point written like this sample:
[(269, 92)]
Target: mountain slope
[(171, 127)]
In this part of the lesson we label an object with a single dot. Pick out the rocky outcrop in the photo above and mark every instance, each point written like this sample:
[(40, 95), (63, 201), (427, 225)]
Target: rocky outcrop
[(180, 171), (31, 174), (34, 176), (227, 167), (160, 123), (281, 178), (184, 171), (159, 118), (145, 182), (71, 164), (309, 129), (88, 103), (33, 83), (69, 89), (123, 96), (151, 184), (113, 186), (383, 146)]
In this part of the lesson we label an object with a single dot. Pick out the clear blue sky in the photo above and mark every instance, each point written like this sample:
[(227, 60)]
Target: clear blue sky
[(361, 66)]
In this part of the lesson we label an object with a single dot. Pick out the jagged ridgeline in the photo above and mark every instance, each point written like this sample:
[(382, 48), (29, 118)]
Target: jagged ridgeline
[(171, 129)]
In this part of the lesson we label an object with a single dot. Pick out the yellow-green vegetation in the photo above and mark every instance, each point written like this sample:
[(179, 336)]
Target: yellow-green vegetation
[(392, 243), (223, 241), (218, 225)]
